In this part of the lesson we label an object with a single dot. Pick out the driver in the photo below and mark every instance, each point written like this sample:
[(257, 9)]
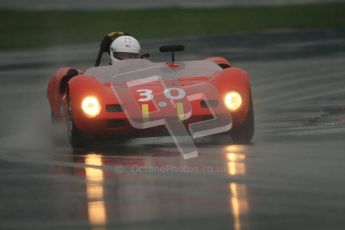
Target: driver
[(119, 46), (124, 47)]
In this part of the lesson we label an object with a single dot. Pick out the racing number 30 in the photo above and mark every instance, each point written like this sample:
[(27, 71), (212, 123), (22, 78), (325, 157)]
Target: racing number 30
[(170, 93)]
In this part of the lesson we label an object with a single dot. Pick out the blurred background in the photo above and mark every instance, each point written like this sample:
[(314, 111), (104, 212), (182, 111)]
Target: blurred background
[(42, 23), (290, 177), (118, 4)]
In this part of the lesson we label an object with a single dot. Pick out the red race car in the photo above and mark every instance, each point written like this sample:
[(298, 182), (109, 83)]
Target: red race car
[(137, 97)]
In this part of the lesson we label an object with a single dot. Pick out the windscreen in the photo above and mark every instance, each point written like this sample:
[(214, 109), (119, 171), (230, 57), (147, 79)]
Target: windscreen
[(181, 70)]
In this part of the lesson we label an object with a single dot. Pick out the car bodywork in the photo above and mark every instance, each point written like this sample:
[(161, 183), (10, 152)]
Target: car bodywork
[(68, 88)]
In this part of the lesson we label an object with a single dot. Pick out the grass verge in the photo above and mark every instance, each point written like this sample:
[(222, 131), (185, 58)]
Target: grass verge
[(28, 29)]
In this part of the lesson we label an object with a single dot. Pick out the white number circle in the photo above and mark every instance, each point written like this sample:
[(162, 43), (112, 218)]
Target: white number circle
[(169, 93)]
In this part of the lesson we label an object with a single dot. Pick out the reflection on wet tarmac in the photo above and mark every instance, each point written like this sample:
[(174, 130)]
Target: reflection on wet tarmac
[(95, 191), (97, 165), (238, 192)]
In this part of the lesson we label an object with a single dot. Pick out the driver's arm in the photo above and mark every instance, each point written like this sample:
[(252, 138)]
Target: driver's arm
[(105, 44)]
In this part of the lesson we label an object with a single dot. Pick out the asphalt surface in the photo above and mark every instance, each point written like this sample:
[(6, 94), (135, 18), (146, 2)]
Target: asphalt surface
[(290, 177)]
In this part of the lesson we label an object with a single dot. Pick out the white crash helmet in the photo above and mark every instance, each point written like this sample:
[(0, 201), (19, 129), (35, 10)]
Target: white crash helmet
[(124, 47)]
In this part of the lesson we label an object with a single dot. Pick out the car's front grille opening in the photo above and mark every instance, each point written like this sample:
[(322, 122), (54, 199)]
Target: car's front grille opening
[(116, 124), (209, 104), (114, 108)]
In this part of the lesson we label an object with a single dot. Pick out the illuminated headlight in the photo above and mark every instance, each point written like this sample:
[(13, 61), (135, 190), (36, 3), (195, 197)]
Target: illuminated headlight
[(233, 101), (90, 106)]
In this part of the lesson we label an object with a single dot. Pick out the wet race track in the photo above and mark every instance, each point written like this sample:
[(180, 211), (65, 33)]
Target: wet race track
[(290, 177)]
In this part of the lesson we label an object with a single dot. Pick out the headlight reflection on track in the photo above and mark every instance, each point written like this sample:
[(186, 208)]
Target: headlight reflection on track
[(95, 190)]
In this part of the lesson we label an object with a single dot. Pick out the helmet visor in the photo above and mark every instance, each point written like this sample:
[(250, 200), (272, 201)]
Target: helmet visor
[(125, 55)]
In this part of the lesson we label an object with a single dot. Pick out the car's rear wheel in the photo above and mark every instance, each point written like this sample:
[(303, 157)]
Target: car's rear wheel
[(244, 133), (76, 138)]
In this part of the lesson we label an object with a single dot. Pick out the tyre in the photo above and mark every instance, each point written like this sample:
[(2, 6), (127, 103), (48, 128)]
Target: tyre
[(76, 138), (243, 134)]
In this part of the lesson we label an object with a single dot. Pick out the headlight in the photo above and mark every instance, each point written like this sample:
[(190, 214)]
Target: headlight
[(233, 101), (90, 106)]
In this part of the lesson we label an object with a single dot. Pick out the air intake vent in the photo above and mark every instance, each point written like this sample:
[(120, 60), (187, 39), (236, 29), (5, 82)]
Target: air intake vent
[(224, 65), (114, 108), (209, 104)]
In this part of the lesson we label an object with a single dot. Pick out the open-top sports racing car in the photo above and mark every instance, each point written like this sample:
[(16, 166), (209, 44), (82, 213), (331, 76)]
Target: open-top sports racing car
[(137, 97)]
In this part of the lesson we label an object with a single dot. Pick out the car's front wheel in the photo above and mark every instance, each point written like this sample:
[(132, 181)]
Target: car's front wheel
[(244, 133), (76, 138)]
